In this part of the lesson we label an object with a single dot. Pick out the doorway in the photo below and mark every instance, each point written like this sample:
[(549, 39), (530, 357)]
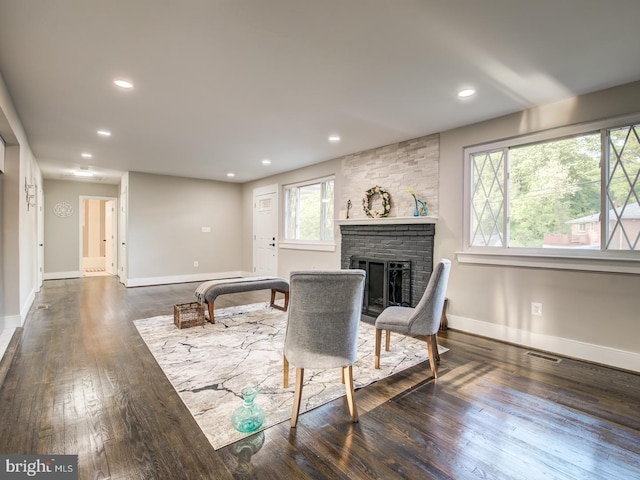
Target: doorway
[(98, 229)]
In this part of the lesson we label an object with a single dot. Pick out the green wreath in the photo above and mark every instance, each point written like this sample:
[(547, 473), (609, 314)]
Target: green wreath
[(386, 202)]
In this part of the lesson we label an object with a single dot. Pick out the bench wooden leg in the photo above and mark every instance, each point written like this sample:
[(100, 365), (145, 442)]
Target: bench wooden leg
[(273, 299), (210, 305)]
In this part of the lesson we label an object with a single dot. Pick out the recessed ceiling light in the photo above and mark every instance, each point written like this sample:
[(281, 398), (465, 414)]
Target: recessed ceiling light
[(334, 138), (123, 83), (86, 155), (83, 173), (466, 92), (231, 174), (266, 161), (104, 133)]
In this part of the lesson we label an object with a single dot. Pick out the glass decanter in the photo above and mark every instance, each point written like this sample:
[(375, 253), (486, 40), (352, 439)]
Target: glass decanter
[(249, 417)]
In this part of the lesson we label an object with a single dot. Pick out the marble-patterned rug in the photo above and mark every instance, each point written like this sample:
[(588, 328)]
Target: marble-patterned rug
[(209, 365)]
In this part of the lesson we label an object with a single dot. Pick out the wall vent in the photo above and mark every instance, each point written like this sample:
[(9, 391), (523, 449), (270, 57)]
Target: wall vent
[(544, 357), (42, 306)]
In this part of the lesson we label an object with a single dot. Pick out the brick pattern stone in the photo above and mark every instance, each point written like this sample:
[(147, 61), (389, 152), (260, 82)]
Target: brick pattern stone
[(393, 242), (411, 164)]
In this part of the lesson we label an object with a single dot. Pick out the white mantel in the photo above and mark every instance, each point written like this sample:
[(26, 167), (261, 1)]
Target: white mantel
[(386, 220)]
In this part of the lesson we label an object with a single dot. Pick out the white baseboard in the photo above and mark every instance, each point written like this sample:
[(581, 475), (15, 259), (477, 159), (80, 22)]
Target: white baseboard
[(61, 275), (560, 346), (26, 306), (10, 322), (197, 277)]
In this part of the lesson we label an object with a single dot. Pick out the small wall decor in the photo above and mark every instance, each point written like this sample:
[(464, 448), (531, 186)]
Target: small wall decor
[(62, 210), (384, 197)]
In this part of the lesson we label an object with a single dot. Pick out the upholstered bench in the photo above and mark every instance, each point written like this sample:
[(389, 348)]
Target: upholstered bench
[(209, 291)]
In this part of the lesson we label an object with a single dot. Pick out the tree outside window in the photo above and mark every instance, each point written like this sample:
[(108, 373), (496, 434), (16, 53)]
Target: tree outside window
[(309, 211)]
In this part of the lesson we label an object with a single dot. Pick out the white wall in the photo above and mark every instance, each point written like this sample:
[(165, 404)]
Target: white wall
[(165, 220), (587, 315)]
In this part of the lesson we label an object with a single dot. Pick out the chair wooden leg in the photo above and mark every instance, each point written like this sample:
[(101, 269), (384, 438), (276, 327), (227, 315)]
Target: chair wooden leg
[(435, 347), (377, 353), (286, 371), (210, 307), (297, 396), (432, 358), (347, 373), (387, 341), (444, 322)]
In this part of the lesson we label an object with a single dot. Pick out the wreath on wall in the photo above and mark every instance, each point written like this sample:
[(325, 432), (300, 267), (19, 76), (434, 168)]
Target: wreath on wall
[(384, 197)]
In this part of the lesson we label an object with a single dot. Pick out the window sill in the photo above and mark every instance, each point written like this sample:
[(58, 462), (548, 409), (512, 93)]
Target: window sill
[(551, 261), (312, 246)]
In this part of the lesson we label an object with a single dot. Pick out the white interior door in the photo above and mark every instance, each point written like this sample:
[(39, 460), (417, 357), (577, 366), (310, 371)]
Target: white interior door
[(265, 232), (109, 239), (122, 236)]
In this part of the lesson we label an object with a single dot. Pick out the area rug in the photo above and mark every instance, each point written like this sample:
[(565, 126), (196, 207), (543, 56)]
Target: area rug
[(209, 365)]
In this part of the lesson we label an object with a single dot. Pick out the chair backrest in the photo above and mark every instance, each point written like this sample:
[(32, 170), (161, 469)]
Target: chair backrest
[(426, 317), (324, 317)]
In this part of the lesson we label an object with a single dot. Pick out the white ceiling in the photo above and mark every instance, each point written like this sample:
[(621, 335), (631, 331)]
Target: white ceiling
[(222, 84)]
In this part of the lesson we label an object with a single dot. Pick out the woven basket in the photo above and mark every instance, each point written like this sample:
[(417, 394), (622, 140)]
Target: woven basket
[(187, 315)]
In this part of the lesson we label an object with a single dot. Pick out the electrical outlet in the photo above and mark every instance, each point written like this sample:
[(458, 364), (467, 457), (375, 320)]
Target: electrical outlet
[(195, 263), (536, 309)]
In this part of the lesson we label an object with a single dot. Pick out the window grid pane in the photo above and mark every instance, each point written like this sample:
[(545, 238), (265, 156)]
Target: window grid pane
[(291, 213), (623, 189), (327, 211), (487, 204)]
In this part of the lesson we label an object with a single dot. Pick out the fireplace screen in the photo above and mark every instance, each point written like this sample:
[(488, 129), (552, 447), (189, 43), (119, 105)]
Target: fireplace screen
[(388, 283)]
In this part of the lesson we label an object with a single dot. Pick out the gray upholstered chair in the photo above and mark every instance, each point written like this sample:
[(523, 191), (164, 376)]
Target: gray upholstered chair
[(322, 328), (424, 319)]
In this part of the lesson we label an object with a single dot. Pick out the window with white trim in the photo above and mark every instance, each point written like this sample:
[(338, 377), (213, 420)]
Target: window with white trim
[(309, 211), (535, 194)]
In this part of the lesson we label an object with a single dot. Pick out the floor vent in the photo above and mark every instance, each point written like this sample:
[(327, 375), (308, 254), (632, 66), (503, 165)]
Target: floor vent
[(544, 357), (42, 306)]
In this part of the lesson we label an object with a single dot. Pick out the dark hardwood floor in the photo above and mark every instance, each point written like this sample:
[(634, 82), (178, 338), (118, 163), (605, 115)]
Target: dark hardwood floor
[(83, 382)]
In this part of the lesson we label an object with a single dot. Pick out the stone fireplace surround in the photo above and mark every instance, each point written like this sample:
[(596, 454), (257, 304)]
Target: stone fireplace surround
[(392, 239)]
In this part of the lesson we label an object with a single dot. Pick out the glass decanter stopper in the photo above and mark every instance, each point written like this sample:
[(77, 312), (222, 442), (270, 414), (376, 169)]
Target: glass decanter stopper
[(249, 417)]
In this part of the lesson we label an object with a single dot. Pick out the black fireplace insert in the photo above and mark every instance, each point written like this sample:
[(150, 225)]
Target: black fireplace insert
[(388, 283)]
